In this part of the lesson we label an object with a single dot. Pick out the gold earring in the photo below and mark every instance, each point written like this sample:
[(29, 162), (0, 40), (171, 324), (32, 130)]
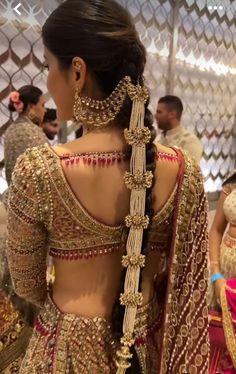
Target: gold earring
[(99, 113), (77, 65)]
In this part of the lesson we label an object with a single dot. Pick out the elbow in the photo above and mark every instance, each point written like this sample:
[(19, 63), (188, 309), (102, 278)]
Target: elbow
[(216, 232), (34, 296), (29, 298)]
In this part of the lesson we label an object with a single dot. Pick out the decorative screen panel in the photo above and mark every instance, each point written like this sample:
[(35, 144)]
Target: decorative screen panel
[(21, 51), (21, 55), (206, 81), (153, 21)]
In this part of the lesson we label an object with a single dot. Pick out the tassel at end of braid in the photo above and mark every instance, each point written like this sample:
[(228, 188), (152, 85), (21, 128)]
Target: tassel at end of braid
[(123, 354)]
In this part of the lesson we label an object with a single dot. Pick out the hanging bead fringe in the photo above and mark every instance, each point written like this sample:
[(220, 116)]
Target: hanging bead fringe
[(167, 157), (94, 159)]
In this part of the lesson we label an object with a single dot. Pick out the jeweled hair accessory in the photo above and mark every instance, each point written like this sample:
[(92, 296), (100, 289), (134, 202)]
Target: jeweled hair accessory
[(137, 180), (97, 114), (17, 103)]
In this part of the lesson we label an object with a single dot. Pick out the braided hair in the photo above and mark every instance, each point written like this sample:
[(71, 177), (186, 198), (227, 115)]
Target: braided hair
[(102, 33)]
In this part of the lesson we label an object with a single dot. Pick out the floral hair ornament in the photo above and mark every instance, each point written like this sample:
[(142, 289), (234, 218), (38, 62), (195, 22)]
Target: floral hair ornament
[(138, 179), (17, 103)]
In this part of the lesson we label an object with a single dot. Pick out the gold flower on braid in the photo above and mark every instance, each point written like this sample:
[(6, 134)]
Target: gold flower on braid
[(137, 221), (134, 261), (138, 92), (131, 299), (138, 136), (138, 180)]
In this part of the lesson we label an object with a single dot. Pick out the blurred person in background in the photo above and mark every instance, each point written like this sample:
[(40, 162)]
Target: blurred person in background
[(17, 315), (222, 295), (25, 132), (168, 116), (50, 124)]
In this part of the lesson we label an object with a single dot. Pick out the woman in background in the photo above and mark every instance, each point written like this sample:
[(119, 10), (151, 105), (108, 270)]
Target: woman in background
[(25, 132), (17, 315), (123, 220), (223, 277)]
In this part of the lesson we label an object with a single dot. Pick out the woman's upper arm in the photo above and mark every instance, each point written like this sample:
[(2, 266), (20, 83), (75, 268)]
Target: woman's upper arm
[(27, 236), (220, 223)]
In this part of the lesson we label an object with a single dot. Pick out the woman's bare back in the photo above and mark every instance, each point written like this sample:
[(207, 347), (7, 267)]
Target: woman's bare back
[(89, 287)]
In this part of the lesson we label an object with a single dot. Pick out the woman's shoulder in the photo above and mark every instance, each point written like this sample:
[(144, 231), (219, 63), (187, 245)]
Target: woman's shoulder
[(175, 153), (229, 183), (81, 145), (34, 152), (172, 166), (174, 158), (18, 123), (21, 128), (31, 159), (61, 149), (11, 130), (30, 178), (164, 149)]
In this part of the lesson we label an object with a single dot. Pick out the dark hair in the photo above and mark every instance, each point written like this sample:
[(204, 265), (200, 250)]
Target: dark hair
[(79, 133), (28, 95), (102, 34), (173, 103), (231, 178), (50, 115)]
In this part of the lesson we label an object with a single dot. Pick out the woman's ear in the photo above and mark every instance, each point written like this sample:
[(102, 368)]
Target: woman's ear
[(79, 69)]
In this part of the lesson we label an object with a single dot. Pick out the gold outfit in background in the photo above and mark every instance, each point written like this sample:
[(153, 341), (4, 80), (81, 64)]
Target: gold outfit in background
[(15, 313), (20, 135)]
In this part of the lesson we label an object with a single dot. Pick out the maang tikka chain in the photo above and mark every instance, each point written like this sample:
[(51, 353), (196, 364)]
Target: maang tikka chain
[(99, 113)]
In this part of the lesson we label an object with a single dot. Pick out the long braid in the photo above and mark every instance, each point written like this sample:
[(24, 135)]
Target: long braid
[(118, 309), (108, 29), (150, 166), (133, 66)]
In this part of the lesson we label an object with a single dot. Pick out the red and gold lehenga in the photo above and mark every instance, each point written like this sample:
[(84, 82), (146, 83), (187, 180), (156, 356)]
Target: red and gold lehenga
[(171, 334), (14, 336)]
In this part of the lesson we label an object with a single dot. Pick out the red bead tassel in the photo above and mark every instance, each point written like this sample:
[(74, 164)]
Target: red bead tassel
[(94, 159)]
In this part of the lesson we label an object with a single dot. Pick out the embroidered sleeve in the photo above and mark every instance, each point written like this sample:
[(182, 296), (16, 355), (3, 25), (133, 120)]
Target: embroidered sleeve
[(27, 235)]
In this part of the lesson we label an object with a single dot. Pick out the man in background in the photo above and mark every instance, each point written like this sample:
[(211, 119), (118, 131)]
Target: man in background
[(50, 125), (168, 116)]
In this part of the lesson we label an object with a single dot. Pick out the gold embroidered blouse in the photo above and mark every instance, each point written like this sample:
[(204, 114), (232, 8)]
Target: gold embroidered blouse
[(46, 217)]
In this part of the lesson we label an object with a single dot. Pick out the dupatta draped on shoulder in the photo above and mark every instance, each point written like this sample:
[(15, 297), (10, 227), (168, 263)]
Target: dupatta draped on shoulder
[(185, 347)]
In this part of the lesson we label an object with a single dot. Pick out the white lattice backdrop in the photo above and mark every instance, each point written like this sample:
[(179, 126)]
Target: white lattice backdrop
[(206, 80), (205, 66)]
